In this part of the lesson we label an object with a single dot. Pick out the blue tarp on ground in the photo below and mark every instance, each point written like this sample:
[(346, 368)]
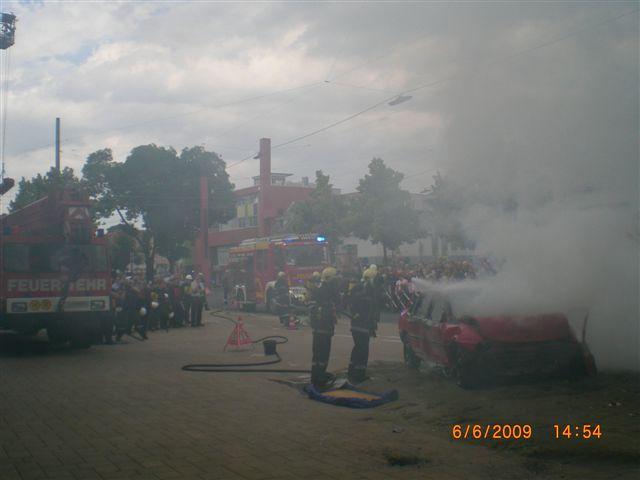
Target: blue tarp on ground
[(351, 397)]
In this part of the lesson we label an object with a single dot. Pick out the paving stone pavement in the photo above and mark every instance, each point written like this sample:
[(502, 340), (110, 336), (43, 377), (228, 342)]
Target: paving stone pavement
[(129, 412)]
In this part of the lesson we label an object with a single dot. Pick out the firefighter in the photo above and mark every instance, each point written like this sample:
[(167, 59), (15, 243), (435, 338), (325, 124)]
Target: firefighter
[(325, 298), (186, 298), (117, 298), (311, 284), (164, 308), (131, 309), (152, 306), (226, 288), (362, 303), (143, 296), (283, 299), (197, 300)]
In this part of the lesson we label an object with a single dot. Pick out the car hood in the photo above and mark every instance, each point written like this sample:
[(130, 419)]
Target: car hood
[(530, 328)]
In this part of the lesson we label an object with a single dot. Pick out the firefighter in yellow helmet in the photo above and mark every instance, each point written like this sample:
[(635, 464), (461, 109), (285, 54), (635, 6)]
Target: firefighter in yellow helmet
[(311, 285), (326, 298), (283, 298), (362, 304)]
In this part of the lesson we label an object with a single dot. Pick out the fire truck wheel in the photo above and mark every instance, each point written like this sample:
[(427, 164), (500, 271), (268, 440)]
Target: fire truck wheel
[(81, 340), (57, 335)]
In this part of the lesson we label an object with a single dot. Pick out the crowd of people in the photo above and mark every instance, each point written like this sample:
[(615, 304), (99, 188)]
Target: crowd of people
[(395, 279), (140, 306), (362, 294), (177, 301)]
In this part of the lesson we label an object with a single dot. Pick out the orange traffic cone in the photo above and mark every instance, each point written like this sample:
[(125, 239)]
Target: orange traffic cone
[(238, 337)]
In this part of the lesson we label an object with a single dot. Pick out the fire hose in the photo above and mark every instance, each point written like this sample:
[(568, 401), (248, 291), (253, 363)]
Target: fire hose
[(269, 343)]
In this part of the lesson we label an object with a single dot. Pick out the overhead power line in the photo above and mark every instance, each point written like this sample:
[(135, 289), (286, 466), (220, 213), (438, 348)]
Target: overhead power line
[(443, 80), (178, 115)]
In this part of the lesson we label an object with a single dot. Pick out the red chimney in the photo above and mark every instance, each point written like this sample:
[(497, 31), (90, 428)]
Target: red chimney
[(265, 186)]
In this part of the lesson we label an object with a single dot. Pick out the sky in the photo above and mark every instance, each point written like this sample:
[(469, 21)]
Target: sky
[(121, 74)]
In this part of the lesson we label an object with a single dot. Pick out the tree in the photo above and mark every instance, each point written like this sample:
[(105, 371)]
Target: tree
[(158, 188), (121, 248), (444, 204), (95, 177), (40, 186), (382, 211), (324, 213)]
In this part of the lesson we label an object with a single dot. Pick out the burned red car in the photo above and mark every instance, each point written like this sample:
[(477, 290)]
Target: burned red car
[(478, 349)]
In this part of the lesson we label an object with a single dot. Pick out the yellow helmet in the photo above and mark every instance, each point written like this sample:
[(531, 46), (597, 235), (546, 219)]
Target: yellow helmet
[(369, 273), (328, 273)]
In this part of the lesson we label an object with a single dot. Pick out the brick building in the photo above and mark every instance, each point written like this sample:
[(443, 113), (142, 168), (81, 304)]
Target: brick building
[(260, 211)]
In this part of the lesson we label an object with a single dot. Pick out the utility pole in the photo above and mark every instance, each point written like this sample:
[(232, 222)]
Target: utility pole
[(205, 264), (58, 144), (264, 229)]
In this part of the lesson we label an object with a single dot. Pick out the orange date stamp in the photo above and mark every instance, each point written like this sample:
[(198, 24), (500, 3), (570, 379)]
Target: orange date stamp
[(492, 431)]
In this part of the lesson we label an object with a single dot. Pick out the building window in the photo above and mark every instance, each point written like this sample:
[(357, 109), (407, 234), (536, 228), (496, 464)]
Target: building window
[(222, 256)]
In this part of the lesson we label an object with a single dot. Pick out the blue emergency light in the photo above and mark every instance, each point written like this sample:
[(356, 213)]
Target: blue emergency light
[(320, 238)]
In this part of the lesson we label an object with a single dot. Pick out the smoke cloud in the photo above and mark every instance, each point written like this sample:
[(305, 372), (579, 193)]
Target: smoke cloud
[(544, 151)]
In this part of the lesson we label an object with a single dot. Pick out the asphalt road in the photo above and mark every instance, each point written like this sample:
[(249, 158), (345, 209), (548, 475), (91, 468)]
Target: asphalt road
[(128, 411)]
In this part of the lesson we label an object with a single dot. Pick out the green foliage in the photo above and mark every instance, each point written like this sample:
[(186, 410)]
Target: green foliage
[(96, 181), (382, 211), (325, 213), (444, 205), (121, 248), (40, 186), (160, 189)]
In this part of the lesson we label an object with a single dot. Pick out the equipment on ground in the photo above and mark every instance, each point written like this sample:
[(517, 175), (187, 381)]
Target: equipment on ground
[(238, 337), (270, 342)]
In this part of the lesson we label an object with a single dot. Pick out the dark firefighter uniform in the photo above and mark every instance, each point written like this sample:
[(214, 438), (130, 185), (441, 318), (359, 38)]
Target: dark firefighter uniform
[(364, 313), (283, 298), (326, 297)]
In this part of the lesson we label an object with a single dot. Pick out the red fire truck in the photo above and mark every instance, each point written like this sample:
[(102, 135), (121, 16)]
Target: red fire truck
[(255, 263), (54, 269)]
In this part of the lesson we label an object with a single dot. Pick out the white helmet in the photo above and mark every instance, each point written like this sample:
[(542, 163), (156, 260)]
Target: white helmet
[(154, 305), (188, 277), (142, 311)]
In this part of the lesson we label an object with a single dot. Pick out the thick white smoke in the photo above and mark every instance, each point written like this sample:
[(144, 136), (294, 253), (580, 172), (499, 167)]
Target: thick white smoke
[(545, 153)]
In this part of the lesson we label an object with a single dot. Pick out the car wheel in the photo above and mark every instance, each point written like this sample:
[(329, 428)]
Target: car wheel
[(411, 360), (582, 365), (466, 372), (82, 340)]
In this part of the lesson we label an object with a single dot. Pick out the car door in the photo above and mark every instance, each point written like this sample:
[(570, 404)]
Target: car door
[(433, 329), (416, 324)]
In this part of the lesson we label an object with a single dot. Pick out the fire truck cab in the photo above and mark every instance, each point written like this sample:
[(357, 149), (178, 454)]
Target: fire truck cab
[(255, 263), (54, 269)]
